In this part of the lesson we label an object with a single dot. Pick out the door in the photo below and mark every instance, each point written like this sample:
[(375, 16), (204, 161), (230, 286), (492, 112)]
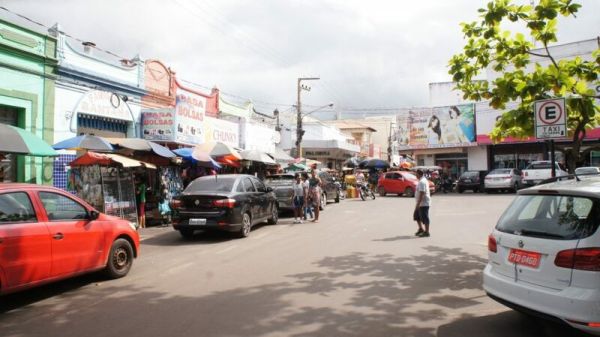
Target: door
[(77, 243), (25, 249), (262, 198), (252, 196), (394, 183)]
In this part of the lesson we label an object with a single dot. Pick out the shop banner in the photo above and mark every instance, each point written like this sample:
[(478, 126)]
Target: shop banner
[(218, 130), (104, 104), (158, 124), (189, 117), (439, 127)]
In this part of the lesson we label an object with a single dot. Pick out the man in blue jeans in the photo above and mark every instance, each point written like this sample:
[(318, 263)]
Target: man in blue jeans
[(423, 201)]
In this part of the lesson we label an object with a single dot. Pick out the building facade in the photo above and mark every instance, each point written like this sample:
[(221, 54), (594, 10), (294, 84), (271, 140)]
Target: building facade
[(27, 90)]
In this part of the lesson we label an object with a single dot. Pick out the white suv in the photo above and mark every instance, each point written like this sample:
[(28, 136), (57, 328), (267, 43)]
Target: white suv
[(544, 254)]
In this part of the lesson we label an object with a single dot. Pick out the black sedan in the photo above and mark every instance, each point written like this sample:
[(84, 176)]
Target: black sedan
[(230, 202)]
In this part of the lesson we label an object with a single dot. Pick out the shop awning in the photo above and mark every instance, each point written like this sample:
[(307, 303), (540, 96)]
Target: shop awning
[(280, 155), (138, 144), (94, 158)]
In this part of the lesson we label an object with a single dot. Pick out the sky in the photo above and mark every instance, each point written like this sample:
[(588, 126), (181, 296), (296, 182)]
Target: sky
[(370, 55)]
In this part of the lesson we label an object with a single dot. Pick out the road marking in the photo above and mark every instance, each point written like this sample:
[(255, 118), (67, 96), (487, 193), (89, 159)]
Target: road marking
[(226, 249)]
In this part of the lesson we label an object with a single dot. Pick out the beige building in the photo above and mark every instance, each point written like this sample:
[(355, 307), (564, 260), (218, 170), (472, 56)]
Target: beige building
[(373, 134)]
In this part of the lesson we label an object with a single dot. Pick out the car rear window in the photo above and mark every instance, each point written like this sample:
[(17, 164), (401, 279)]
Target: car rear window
[(539, 166), (558, 217), (279, 180), (218, 183), (470, 174), (501, 171)]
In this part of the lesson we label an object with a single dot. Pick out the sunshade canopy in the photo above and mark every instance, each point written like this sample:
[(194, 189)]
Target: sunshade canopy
[(94, 158), (84, 142), (139, 144), (258, 156), (20, 141)]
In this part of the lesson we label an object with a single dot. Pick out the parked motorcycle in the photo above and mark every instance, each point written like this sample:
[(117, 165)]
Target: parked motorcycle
[(365, 192), (445, 185)]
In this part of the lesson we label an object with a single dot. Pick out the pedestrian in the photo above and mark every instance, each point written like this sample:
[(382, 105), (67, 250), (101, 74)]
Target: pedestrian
[(299, 199), (314, 191), (423, 202), (140, 193), (308, 201)]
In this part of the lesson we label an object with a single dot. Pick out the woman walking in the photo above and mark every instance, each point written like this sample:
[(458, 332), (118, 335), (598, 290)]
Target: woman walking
[(314, 192)]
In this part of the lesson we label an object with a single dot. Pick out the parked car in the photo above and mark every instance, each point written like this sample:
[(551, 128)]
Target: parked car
[(544, 253), (47, 234), (539, 171), (330, 190), (400, 183), (587, 171), (283, 187), (507, 179), (470, 180), (228, 202)]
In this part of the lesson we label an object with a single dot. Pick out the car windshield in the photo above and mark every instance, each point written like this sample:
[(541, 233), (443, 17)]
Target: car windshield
[(217, 183), (279, 180), (501, 171), (551, 216), (470, 174)]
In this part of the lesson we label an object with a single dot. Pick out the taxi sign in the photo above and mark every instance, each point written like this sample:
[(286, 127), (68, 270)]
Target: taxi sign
[(550, 119)]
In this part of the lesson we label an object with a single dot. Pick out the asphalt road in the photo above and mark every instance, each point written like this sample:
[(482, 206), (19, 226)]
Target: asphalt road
[(359, 272)]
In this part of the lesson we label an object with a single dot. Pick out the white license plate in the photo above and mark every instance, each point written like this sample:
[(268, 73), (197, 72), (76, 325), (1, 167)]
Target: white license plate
[(467, 180), (197, 222)]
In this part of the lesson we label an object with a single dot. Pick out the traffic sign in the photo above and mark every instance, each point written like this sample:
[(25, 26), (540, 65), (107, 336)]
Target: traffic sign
[(550, 119)]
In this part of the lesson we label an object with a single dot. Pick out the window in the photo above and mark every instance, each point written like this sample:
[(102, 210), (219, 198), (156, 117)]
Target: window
[(16, 207), (557, 217), (216, 183), (59, 207), (248, 185), (239, 187), (394, 176), (259, 185)]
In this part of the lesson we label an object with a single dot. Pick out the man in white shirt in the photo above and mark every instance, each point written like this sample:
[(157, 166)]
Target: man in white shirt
[(423, 201)]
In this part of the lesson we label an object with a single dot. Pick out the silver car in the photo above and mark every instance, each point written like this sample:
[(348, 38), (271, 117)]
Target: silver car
[(508, 179), (587, 171)]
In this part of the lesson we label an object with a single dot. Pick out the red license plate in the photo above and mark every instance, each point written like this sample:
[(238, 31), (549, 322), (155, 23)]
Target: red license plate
[(522, 257)]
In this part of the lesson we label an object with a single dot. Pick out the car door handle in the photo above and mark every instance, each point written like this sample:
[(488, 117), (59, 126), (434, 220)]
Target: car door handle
[(58, 236)]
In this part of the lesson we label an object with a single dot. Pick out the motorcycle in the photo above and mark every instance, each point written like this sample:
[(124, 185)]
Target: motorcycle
[(364, 191), (445, 185)]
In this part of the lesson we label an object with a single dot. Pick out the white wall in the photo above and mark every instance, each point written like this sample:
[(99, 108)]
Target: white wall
[(477, 158)]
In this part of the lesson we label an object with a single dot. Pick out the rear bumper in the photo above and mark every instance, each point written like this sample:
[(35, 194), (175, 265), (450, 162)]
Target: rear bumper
[(569, 304), (285, 203), (499, 184), (228, 223)]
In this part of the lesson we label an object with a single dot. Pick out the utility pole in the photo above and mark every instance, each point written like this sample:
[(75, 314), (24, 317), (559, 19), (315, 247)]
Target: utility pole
[(299, 130)]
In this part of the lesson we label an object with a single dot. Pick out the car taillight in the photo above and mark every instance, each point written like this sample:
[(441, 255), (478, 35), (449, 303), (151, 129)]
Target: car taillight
[(523, 174), (505, 177), (226, 203), (175, 204), (580, 258), (492, 245)]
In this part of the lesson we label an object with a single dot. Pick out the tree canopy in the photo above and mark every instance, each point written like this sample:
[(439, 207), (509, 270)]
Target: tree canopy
[(526, 73)]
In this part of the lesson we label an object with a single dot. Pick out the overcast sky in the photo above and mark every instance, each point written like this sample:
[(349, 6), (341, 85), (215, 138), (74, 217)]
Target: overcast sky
[(369, 54)]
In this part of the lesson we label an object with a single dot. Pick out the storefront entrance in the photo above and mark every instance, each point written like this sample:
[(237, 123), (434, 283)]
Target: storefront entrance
[(452, 164), (8, 163)]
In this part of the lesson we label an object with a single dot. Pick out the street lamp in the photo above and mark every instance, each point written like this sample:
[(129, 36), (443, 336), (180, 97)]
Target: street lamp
[(300, 130)]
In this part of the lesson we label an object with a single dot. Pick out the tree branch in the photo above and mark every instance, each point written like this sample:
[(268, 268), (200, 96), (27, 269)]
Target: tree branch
[(536, 54), (550, 56)]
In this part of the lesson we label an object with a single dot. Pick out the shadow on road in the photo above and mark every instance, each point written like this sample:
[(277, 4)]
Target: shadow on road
[(358, 294), (398, 238)]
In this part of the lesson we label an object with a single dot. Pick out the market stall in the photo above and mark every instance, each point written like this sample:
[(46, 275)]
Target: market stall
[(106, 181)]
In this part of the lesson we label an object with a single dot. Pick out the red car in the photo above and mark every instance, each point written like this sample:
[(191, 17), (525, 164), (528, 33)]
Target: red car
[(47, 234), (401, 183)]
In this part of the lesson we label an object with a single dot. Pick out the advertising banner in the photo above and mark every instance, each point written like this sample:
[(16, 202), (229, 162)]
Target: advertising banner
[(439, 127), (189, 117), (158, 124), (218, 130)]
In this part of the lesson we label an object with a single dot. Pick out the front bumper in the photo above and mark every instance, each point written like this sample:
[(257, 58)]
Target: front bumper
[(569, 304)]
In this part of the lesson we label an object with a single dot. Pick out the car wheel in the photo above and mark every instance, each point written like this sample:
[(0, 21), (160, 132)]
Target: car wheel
[(323, 202), (246, 225), (382, 191), (274, 215), (186, 233), (409, 192), (120, 259)]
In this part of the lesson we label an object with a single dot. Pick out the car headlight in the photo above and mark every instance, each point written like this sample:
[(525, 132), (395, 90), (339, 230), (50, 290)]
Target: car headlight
[(133, 225)]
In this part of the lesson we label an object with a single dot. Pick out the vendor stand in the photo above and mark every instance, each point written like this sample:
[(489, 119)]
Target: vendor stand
[(106, 181)]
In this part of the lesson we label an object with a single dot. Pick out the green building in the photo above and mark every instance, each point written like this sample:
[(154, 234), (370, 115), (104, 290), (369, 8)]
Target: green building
[(27, 72)]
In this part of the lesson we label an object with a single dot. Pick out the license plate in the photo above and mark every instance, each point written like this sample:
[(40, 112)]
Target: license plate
[(197, 222), (467, 180), (525, 258)]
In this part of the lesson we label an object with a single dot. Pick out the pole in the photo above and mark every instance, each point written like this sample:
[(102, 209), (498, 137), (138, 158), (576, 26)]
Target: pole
[(552, 158), (299, 123)]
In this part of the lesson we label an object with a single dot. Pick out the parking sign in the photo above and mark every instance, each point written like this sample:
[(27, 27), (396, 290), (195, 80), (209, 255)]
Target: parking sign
[(550, 119)]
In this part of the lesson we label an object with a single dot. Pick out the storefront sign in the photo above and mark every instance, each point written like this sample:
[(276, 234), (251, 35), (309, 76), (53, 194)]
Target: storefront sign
[(158, 124), (189, 117), (439, 127), (317, 153), (218, 130), (104, 104)]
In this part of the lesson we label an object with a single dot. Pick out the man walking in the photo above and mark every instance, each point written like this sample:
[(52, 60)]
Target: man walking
[(423, 198)]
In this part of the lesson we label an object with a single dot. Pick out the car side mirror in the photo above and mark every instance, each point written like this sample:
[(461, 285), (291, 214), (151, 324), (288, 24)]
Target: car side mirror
[(93, 215), (269, 189)]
